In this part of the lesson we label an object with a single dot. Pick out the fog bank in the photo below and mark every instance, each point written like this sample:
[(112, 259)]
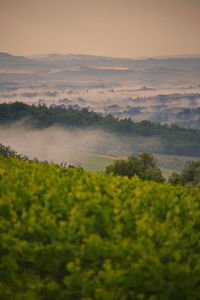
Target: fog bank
[(60, 144)]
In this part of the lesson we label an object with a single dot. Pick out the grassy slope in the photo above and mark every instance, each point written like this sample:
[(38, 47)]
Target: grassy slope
[(89, 161), (97, 162), (173, 162)]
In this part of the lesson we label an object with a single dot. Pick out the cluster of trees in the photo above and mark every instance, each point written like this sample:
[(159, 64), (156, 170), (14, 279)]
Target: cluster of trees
[(188, 176), (42, 116), (173, 139), (142, 165), (188, 113)]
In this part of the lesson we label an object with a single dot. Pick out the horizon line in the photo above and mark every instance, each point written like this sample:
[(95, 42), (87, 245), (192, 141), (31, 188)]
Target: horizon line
[(107, 56)]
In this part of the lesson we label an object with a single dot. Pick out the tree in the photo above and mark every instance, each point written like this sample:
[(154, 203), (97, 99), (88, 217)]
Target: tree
[(142, 165), (188, 176), (7, 151)]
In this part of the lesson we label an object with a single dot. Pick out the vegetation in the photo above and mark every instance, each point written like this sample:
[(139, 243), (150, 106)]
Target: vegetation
[(173, 162), (88, 161), (172, 140), (142, 165), (188, 176), (7, 151), (70, 234), (189, 113)]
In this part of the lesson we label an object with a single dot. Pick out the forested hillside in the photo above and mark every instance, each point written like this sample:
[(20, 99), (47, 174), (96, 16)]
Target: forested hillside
[(173, 140), (69, 234)]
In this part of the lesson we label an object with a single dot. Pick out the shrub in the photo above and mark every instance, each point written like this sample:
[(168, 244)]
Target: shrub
[(142, 165), (188, 176)]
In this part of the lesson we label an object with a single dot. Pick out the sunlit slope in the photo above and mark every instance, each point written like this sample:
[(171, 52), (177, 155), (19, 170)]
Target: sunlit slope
[(88, 161), (174, 162), (97, 162), (71, 234)]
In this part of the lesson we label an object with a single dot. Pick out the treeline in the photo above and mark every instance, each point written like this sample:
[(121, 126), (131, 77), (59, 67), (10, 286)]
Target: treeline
[(188, 113), (174, 139), (142, 165)]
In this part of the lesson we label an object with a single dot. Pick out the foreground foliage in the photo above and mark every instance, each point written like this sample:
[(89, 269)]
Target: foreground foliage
[(69, 234)]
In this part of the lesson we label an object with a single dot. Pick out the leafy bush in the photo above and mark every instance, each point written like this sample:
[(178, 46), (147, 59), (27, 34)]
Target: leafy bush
[(6, 151), (188, 176), (70, 234), (142, 165)]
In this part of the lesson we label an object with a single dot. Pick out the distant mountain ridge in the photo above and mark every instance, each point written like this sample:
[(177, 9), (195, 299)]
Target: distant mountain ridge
[(102, 64), (109, 70), (70, 56), (8, 60)]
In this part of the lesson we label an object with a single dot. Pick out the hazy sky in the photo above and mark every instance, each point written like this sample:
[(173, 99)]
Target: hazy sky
[(126, 28)]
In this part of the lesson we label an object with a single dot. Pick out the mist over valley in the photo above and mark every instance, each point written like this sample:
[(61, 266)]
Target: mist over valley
[(162, 89), (156, 89)]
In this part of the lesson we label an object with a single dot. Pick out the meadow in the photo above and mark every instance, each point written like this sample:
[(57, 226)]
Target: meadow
[(97, 163)]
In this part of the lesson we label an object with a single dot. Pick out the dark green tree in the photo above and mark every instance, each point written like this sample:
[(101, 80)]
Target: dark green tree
[(188, 176), (142, 165)]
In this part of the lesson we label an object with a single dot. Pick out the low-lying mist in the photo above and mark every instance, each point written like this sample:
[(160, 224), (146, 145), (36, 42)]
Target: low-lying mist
[(60, 144)]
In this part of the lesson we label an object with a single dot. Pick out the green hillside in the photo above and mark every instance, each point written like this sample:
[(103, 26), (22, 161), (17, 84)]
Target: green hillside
[(97, 163), (88, 161), (131, 136), (71, 234)]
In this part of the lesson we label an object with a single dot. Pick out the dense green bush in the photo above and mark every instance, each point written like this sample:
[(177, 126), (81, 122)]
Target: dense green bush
[(188, 176), (70, 234), (142, 165)]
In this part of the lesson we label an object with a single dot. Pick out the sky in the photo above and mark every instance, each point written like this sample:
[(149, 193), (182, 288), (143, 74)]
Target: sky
[(119, 28)]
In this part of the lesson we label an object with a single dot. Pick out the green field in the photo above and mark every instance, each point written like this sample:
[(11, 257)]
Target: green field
[(89, 161), (97, 162), (173, 162)]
